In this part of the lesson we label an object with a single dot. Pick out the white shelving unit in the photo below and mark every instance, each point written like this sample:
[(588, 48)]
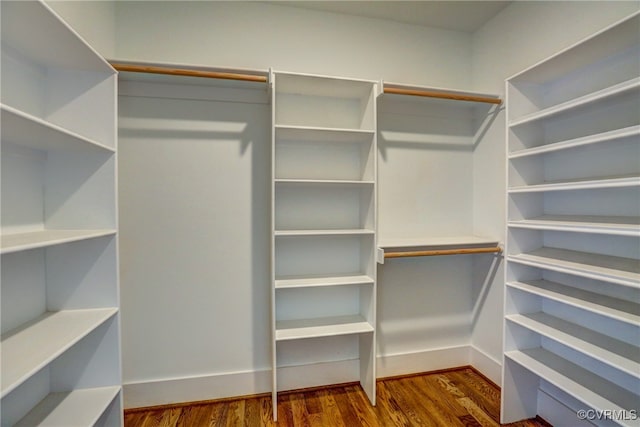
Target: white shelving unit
[(324, 216), (572, 298), (60, 347)]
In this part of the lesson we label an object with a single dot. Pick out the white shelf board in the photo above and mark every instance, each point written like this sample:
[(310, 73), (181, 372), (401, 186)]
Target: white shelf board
[(62, 47), (609, 136), (81, 407), (321, 181), (610, 351), (623, 271), (610, 41), (24, 129), (435, 242), (44, 238), (603, 305), (629, 86), (592, 390), (344, 232), (30, 347), (323, 327), (320, 281), (580, 184), (617, 225), (314, 133), (324, 86)]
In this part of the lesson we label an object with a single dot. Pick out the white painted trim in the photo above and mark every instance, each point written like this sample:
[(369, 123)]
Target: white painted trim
[(486, 365), (423, 361), (217, 386), (224, 385)]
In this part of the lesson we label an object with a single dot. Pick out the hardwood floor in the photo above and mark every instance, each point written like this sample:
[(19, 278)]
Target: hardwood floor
[(459, 397)]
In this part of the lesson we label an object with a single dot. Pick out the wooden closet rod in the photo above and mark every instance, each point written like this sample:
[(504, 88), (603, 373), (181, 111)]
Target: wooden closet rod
[(435, 252), (189, 72), (443, 95)]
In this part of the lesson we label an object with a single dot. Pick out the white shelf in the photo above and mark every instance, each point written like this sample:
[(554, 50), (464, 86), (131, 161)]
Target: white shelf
[(613, 308), (25, 129), (623, 226), (349, 232), (629, 86), (436, 242), (81, 407), (282, 181), (610, 136), (32, 346), (615, 353), (315, 133), (592, 390), (580, 184), (320, 281), (61, 47), (574, 115), (624, 271), (319, 85), (324, 327), (41, 239)]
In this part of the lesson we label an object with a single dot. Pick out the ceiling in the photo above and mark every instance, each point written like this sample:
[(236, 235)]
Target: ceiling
[(467, 16)]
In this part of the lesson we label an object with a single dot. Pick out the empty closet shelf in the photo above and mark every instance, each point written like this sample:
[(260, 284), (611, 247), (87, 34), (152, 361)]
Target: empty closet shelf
[(54, 333), (580, 184), (284, 181), (434, 246), (337, 232), (79, 407), (598, 98), (623, 271), (591, 389), (322, 327), (44, 238), (291, 282), (613, 308), (608, 350), (618, 225), (25, 129)]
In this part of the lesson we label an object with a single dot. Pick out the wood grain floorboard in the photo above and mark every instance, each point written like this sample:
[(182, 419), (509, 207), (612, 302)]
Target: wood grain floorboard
[(458, 397)]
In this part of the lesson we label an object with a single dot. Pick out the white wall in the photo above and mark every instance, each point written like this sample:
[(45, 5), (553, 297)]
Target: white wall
[(93, 20), (259, 36), (424, 304), (521, 35)]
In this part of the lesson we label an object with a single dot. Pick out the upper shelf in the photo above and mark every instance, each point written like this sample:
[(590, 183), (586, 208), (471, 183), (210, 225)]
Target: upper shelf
[(61, 48), (24, 129), (599, 98), (618, 37), (609, 136)]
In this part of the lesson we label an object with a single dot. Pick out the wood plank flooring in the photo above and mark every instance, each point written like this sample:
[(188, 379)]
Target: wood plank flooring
[(460, 397)]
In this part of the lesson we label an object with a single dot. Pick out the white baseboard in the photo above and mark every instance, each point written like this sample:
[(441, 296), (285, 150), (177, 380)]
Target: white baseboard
[(486, 365), (217, 386), (423, 361)]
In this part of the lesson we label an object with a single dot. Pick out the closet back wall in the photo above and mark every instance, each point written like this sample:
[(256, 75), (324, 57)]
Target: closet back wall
[(223, 351)]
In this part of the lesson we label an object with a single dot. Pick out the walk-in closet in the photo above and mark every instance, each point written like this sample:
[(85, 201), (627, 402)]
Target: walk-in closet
[(340, 213)]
